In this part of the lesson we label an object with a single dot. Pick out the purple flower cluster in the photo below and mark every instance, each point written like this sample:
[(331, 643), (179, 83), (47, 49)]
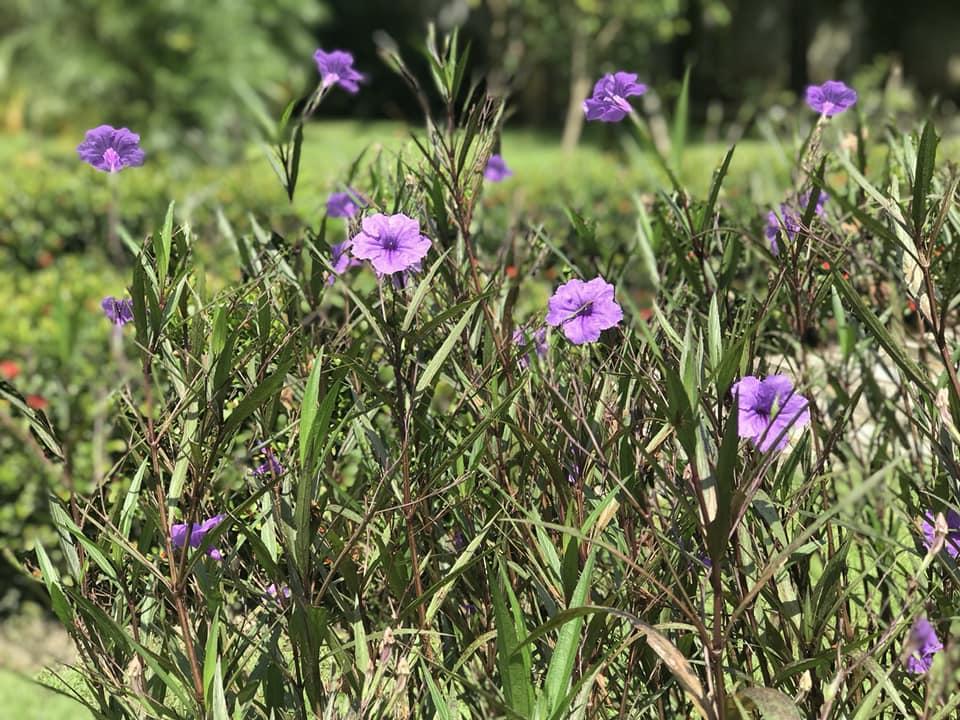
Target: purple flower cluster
[(951, 542), (118, 311), (538, 339), (188, 533), (496, 169), (276, 594), (768, 409), (921, 647), (336, 68), (831, 98), (584, 309), (788, 222), (111, 149), (608, 103)]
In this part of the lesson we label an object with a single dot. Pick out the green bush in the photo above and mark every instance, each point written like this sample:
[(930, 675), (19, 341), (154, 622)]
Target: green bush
[(459, 528)]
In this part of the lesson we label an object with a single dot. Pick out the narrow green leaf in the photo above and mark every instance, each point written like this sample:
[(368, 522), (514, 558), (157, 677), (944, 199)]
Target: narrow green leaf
[(560, 670), (256, 398), (162, 247), (514, 663), (645, 247), (681, 113), (51, 579), (40, 426), (425, 284), (923, 176), (771, 704), (309, 407), (718, 531), (220, 711), (211, 659), (436, 362), (876, 328), (718, 176)]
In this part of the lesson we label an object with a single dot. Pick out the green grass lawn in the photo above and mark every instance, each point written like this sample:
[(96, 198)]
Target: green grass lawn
[(22, 699)]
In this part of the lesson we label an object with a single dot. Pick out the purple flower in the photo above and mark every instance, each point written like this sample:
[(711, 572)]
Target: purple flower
[(821, 201), (496, 169), (768, 409), (584, 309), (341, 260), (273, 592), (110, 149), (270, 465), (951, 542), (392, 243), (336, 68), (609, 100), (787, 222), (540, 346), (119, 312), (922, 645), (831, 98), (183, 533), (344, 204), (789, 219)]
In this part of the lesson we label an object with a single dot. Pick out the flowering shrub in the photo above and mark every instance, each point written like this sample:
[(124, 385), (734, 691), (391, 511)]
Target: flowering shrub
[(400, 495)]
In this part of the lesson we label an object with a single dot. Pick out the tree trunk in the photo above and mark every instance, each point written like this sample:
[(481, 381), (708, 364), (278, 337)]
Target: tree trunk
[(579, 89)]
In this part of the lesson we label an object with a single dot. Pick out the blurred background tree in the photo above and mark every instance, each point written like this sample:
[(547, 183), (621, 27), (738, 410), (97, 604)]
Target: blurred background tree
[(172, 69), (168, 68)]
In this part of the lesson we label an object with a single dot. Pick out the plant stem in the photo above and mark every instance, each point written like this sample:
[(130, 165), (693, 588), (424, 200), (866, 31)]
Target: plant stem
[(175, 580)]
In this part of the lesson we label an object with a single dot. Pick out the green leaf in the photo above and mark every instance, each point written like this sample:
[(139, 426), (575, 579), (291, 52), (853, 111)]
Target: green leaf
[(718, 176), (51, 579), (714, 339), (40, 426), (422, 289), (681, 113), (309, 407), (219, 711), (65, 528), (923, 176), (293, 160), (446, 584), (436, 362), (645, 244), (257, 397), (771, 704), (439, 701), (718, 531), (876, 328), (513, 661), (162, 248), (211, 659), (560, 671)]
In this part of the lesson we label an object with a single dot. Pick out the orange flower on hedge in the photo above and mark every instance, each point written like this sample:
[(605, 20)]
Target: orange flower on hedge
[(9, 369)]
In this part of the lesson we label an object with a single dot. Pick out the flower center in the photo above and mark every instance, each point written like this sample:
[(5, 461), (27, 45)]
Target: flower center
[(585, 311), (111, 159), (390, 243)]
